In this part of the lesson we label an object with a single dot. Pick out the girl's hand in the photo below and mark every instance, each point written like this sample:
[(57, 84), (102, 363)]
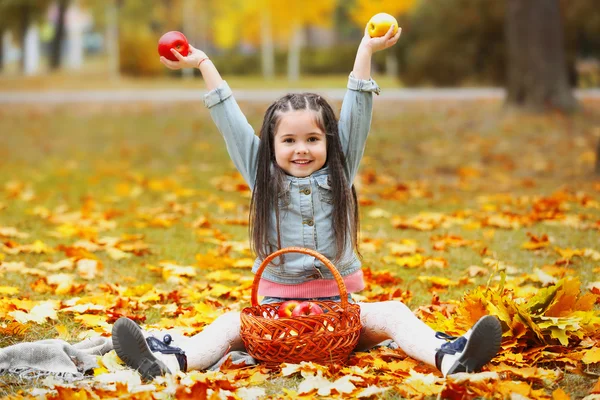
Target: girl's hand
[(190, 61), (379, 43)]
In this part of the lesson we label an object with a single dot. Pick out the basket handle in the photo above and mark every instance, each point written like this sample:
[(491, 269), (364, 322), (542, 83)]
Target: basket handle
[(310, 252)]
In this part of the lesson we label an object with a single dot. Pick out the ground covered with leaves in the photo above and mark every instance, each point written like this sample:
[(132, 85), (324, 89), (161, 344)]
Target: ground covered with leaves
[(135, 210)]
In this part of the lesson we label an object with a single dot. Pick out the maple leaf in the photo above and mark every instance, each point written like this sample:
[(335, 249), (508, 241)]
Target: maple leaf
[(94, 321), (441, 242), (475, 270), (88, 269), (411, 261), (536, 243), (9, 290), (405, 247), (14, 329), (439, 281), (596, 388), (323, 386), (9, 231), (424, 384), (117, 254), (177, 273), (592, 356), (39, 314)]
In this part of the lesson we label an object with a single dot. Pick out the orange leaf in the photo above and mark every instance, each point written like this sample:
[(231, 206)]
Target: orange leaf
[(536, 243), (560, 394), (596, 388), (199, 391)]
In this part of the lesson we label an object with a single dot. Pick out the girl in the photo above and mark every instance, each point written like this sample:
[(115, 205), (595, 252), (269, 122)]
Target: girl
[(301, 171)]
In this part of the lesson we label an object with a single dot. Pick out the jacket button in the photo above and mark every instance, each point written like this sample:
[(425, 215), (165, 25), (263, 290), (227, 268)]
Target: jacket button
[(309, 222), (306, 191)]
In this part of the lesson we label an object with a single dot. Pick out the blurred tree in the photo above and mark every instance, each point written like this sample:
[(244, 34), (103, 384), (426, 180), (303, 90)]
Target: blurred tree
[(363, 10), (59, 35), (2, 31), (318, 13), (268, 23), (133, 28), (106, 17), (451, 43), (537, 70), (20, 14), (582, 37)]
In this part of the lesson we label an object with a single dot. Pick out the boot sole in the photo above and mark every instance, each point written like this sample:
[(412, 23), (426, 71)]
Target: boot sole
[(131, 347), (482, 346)]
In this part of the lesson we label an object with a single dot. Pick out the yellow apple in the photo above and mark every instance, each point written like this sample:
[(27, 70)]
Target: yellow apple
[(380, 23)]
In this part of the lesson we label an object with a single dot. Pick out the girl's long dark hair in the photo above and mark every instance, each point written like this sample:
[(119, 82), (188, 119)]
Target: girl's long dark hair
[(270, 178)]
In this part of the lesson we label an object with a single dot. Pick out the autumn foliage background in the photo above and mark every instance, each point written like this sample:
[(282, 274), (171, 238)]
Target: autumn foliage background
[(467, 208)]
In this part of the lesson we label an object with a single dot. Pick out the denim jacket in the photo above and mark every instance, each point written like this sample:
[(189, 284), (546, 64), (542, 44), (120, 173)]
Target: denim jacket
[(306, 203)]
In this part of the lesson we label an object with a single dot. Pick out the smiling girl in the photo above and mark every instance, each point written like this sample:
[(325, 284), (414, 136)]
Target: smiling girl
[(300, 170)]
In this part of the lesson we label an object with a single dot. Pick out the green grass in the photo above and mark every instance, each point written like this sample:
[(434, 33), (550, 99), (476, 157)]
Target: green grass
[(67, 154)]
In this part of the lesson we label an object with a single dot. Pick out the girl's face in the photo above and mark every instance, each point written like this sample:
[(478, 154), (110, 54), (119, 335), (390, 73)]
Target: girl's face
[(300, 145)]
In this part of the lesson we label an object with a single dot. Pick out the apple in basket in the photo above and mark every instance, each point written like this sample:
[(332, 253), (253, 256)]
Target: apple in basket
[(286, 308), (307, 308)]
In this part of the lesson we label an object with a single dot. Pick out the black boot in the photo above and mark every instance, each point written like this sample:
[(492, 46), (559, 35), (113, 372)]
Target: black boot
[(146, 354), (473, 350)]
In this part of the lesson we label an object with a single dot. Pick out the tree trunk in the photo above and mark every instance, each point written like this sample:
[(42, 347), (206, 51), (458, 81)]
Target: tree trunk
[(266, 45), (59, 35), (112, 38), (25, 20), (598, 158), (188, 27), (391, 65), (294, 54), (1, 50), (537, 68)]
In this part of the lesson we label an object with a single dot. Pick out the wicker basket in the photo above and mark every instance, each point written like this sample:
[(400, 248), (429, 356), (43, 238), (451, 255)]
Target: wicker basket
[(326, 338)]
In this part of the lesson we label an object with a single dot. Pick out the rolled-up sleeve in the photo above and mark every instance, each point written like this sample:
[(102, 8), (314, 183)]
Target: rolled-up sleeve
[(242, 144), (355, 121)]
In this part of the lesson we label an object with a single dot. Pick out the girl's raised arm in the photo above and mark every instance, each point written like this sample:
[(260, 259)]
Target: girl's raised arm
[(196, 59), (355, 116), (242, 143), (368, 46)]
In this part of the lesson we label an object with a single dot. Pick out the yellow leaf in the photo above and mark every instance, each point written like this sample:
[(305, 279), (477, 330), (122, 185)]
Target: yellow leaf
[(406, 247), (63, 282), (243, 263), (63, 332), (93, 321), (9, 290), (117, 254), (426, 385), (39, 247), (591, 356), (88, 269), (12, 232), (379, 213), (39, 313), (111, 362), (412, 261), (438, 281), (222, 275), (177, 272)]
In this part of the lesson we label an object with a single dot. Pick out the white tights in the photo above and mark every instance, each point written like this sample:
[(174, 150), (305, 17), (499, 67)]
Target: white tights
[(381, 321)]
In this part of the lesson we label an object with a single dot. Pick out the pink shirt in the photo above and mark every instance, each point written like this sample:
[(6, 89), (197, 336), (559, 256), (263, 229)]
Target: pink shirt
[(311, 289)]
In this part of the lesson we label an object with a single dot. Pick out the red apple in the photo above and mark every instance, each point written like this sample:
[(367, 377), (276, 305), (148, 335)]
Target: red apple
[(173, 40), (307, 308), (286, 308)]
